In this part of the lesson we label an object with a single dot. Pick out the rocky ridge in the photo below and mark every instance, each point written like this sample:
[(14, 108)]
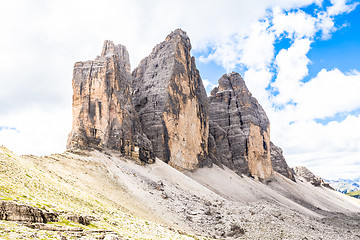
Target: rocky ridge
[(92, 191), (161, 110), (305, 174)]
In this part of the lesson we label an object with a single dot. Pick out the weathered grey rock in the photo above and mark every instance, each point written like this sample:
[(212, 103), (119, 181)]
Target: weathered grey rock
[(279, 163), (172, 103), (240, 128), (82, 219), (103, 112), (306, 175), (13, 211)]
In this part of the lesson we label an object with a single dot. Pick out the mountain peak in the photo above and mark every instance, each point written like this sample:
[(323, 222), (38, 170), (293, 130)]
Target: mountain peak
[(119, 51), (231, 82), (178, 35)]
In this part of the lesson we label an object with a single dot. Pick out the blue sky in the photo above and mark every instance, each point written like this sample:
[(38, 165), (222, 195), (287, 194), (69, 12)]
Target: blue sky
[(300, 59), (341, 50)]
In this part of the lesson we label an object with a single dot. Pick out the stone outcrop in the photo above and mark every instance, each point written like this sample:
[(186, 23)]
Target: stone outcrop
[(103, 112), (161, 110), (13, 211), (172, 103), (82, 219), (305, 174), (279, 163), (240, 129)]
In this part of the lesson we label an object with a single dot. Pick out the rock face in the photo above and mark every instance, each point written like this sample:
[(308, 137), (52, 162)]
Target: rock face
[(279, 163), (172, 103), (240, 129), (12, 211), (161, 110), (304, 174), (103, 113), (84, 220)]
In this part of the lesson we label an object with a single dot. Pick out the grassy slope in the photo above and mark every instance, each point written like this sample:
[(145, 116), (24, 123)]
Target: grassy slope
[(354, 194), (22, 181)]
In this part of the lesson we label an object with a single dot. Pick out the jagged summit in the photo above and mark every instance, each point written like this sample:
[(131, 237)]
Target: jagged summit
[(179, 35), (110, 49), (230, 82), (161, 110)]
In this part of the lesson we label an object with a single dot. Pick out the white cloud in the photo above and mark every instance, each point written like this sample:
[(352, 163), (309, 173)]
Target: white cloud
[(225, 55), (291, 69), (325, 19), (257, 50), (326, 25), (37, 131), (341, 6), (295, 24), (330, 92), (330, 150)]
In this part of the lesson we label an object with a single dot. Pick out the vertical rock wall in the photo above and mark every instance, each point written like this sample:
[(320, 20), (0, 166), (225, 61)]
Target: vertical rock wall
[(172, 103), (162, 110), (240, 128), (103, 113)]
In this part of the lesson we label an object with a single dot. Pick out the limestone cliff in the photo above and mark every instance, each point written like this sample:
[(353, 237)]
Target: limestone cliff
[(161, 110), (172, 103), (240, 129), (279, 163), (103, 113)]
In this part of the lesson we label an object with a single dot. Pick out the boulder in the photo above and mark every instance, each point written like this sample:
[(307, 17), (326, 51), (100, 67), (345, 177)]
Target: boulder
[(14, 211)]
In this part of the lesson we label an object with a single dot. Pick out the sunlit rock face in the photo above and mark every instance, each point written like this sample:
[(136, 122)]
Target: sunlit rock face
[(103, 113), (240, 129), (172, 103), (161, 110)]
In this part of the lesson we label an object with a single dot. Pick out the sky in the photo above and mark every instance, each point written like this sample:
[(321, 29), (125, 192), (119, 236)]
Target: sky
[(300, 59)]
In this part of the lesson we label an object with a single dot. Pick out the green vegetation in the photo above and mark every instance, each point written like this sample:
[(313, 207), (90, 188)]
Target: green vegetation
[(355, 194), (23, 181)]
